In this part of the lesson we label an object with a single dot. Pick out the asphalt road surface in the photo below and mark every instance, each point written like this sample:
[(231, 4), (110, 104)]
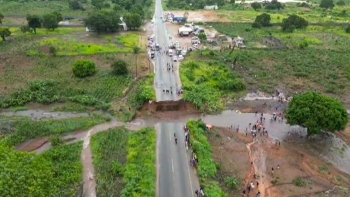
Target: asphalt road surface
[(175, 176), (165, 80)]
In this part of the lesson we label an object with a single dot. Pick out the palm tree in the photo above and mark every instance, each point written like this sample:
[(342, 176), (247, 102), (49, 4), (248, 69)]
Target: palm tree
[(136, 51)]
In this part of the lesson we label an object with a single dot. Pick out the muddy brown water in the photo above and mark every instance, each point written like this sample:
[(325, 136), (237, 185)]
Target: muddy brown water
[(331, 148)]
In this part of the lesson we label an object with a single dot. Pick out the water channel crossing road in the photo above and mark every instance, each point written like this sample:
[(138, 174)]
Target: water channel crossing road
[(175, 176)]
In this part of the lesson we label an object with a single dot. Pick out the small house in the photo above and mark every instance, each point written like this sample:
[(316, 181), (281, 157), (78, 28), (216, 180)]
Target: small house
[(211, 7)]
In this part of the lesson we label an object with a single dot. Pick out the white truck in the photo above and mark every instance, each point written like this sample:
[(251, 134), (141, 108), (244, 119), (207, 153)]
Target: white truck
[(185, 31)]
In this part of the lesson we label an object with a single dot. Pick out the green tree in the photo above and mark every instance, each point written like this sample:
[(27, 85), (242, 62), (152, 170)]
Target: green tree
[(98, 4), (256, 5), (317, 112), (75, 5), (136, 50), (84, 68), (274, 4), (34, 22), (137, 9), (132, 20), (263, 19), (25, 174), (58, 15), (1, 18), (4, 32), (327, 4), (293, 22), (341, 3), (120, 67), (103, 21), (50, 21)]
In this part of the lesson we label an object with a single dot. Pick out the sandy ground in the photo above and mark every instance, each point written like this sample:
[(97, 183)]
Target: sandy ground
[(202, 16), (295, 163)]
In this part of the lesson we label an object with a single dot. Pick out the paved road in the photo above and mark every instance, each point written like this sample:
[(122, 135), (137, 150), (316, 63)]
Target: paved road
[(176, 177), (164, 79)]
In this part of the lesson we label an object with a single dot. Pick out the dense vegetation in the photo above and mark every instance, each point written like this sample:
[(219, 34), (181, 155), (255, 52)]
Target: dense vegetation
[(141, 92), (317, 112), (18, 130), (206, 84), (67, 168), (57, 172), (207, 169), (110, 150), (140, 171)]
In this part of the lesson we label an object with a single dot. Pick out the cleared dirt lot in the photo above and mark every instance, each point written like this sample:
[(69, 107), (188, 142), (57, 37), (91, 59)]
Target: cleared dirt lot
[(298, 166), (202, 16)]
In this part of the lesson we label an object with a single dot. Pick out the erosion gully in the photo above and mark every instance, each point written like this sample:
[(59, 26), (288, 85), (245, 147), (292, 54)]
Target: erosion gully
[(331, 148)]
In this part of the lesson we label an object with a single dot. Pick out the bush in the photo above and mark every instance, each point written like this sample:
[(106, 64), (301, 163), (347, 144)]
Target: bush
[(263, 19), (56, 140), (347, 29), (293, 22), (256, 25), (120, 67), (299, 182), (84, 68), (232, 182)]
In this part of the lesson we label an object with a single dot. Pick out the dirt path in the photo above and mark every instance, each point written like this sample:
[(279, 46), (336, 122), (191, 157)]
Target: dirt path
[(86, 154), (87, 157)]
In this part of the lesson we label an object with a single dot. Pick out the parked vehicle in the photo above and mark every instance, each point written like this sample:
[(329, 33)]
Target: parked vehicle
[(184, 52), (157, 47), (170, 52), (152, 55), (181, 58)]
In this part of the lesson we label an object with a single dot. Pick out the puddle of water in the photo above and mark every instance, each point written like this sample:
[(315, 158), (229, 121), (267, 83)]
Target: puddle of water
[(41, 114), (331, 148)]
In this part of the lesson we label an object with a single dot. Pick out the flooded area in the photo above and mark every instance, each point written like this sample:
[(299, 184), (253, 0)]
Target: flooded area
[(331, 148), (42, 115), (321, 160)]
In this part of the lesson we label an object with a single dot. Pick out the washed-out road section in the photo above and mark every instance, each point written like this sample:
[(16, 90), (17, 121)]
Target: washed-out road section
[(175, 176)]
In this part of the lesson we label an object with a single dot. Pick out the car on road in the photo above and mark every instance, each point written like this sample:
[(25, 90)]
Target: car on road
[(170, 52), (175, 59), (184, 52), (181, 58)]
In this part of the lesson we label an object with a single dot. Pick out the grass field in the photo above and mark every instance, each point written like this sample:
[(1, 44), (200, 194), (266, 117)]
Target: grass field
[(18, 129), (321, 64), (38, 7), (313, 14), (140, 170), (29, 53), (110, 152), (67, 168), (209, 84), (125, 162)]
